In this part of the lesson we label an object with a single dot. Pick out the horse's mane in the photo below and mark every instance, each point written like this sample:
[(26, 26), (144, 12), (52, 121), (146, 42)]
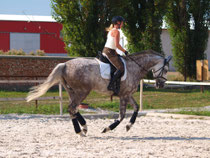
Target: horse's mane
[(146, 52)]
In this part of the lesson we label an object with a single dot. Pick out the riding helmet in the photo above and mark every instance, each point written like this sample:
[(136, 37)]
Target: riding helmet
[(115, 19)]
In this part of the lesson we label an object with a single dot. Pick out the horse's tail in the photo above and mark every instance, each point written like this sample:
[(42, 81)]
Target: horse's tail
[(54, 77)]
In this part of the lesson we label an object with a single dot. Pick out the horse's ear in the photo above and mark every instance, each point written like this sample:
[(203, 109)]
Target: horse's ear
[(169, 59)]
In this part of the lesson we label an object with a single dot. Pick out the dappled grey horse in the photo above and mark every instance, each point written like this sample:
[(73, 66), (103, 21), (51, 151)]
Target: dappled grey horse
[(80, 76)]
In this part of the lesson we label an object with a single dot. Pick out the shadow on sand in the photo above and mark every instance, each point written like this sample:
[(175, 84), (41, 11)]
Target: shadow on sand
[(136, 138)]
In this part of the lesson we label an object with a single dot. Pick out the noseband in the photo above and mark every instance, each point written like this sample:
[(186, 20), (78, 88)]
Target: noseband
[(160, 75)]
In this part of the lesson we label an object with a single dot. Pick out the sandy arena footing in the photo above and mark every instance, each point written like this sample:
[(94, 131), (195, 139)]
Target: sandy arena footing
[(151, 136)]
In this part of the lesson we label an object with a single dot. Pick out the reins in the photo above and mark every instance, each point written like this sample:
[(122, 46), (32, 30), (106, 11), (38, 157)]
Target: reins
[(160, 75), (137, 63)]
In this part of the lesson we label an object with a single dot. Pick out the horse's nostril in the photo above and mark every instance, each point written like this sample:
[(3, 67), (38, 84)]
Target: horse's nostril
[(159, 84)]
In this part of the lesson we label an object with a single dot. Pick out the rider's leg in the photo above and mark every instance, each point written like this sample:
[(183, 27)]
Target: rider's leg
[(116, 75), (116, 61)]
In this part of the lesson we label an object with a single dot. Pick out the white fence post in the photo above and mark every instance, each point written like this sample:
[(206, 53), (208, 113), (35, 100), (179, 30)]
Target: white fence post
[(141, 94), (61, 99)]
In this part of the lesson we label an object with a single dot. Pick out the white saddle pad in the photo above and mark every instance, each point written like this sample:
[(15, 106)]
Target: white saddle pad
[(105, 70)]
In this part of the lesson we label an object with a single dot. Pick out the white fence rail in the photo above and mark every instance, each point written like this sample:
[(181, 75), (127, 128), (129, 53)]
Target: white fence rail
[(60, 97), (24, 99), (181, 83), (167, 82)]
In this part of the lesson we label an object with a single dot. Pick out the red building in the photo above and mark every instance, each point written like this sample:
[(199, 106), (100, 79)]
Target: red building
[(31, 33)]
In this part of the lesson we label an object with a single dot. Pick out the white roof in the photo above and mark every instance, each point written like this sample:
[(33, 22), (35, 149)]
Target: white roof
[(7, 17)]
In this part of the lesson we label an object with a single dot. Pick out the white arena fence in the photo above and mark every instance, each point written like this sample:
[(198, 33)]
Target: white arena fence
[(167, 82), (60, 97)]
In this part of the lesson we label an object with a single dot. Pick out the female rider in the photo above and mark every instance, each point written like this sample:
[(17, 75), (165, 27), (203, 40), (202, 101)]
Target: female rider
[(110, 53)]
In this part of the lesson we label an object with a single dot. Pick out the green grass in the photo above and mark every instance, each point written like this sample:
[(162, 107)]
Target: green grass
[(20, 107), (199, 113), (175, 98), (152, 99)]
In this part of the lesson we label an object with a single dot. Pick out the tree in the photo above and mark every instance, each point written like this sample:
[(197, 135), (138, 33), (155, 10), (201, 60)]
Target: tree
[(143, 26), (83, 25), (179, 29), (188, 44), (200, 14)]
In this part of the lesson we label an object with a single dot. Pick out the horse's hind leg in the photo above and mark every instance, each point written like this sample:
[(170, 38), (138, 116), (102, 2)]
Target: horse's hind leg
[(75, 99), (123, 104), (76, 119), (82, 122), (135, 113)]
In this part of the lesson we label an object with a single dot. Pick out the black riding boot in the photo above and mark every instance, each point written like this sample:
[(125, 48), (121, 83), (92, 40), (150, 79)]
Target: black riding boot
[(111, 85), (117, 86)]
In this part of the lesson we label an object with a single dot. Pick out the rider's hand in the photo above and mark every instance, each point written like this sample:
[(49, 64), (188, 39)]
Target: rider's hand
[(126, 53)]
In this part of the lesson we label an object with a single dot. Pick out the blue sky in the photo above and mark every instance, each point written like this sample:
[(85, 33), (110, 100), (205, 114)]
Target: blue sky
[(29, 7)]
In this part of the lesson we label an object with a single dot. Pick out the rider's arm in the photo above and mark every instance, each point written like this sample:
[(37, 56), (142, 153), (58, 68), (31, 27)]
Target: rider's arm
[(116, 35)]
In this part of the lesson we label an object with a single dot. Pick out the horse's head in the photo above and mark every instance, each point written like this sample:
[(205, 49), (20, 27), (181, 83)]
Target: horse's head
[(159, 72)]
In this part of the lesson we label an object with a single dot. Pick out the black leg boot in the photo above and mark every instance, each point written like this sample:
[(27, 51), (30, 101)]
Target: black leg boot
[(117, 86), (111, 86)]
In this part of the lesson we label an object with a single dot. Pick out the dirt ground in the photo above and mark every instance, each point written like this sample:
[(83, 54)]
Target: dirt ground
[(150, 137)]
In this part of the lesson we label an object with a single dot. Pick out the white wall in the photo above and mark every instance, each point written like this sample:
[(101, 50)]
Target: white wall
[(208, 50), (166, 44)]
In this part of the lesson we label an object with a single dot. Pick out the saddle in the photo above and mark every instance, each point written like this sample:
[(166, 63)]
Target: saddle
[(107, 69)]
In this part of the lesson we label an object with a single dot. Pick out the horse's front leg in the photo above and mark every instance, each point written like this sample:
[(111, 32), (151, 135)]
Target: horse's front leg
[(123, 104), (135, 113)]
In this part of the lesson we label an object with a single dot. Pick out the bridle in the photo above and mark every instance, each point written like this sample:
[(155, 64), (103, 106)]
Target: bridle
[(161, 69), (160, 75)]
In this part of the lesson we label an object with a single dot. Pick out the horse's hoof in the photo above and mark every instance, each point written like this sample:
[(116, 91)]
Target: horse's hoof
[(84, 129), (105, 130), (81, 134), (128, 128)]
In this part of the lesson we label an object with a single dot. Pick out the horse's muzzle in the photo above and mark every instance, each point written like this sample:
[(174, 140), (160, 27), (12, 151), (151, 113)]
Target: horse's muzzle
[(159, 84)]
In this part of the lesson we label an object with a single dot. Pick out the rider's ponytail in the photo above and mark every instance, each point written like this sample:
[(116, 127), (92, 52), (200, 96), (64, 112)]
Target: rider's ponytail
[(110, 27)]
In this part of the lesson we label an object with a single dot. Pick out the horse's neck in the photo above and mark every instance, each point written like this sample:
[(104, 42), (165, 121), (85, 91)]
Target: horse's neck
[(144, 63), (151, 61)]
